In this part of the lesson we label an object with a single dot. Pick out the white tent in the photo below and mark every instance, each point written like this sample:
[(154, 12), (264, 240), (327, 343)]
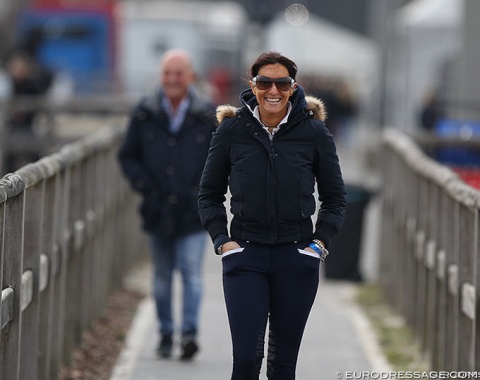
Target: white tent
[(430, 13), (425, 38), (322, 47)]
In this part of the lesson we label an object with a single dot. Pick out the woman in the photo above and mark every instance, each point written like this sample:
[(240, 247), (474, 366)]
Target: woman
[(270, 153)]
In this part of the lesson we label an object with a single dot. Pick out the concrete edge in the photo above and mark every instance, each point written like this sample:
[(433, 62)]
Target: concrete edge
[(367, 336), (134, 343)]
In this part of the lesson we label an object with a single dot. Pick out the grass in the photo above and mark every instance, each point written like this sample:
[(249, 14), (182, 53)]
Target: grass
[(396, 338)]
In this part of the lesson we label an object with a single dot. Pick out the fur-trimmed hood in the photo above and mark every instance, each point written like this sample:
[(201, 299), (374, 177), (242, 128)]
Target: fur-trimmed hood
[(313, 105)]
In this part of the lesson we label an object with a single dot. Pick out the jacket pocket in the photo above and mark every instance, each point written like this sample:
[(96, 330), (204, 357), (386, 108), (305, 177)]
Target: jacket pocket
[(151, 209), (232, 251)]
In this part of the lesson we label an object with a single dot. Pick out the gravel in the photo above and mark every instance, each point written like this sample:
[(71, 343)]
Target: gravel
[(102, 343)]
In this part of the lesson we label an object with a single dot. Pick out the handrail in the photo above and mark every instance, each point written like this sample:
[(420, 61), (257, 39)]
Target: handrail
[(68, 234), (430, 252)]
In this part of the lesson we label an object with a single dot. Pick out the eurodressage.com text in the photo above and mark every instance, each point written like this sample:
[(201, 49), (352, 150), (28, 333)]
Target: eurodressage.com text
[(408, 375)]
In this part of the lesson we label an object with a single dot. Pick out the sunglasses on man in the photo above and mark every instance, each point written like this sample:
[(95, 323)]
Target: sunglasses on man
[(265, 83)]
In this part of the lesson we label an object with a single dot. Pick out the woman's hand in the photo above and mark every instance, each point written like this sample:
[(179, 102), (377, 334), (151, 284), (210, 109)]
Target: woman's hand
[(316, 242), (229, 245), (308, 249)]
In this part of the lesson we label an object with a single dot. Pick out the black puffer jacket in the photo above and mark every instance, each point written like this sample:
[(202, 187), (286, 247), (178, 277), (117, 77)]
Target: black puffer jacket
[(272, 182), (166, 167)]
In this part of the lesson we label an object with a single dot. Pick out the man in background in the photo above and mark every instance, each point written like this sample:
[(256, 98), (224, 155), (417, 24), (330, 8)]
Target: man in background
[(28, 83), (162, 156)]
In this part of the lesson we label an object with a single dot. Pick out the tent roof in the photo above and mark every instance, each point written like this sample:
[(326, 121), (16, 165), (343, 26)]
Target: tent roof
[(320, 46), (430, 13)]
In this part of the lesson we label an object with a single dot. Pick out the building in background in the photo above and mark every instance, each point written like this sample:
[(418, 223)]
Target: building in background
[(213, 32)]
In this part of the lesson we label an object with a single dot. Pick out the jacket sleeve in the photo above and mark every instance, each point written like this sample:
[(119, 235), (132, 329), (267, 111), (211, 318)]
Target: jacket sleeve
[(130, 156), (331, 189), (213, 187)]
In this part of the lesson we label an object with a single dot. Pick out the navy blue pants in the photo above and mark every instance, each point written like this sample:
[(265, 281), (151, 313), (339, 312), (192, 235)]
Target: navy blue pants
[(268, 283)]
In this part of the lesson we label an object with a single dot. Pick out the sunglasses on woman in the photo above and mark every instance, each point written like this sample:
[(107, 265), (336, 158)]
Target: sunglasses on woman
[(265, 83)]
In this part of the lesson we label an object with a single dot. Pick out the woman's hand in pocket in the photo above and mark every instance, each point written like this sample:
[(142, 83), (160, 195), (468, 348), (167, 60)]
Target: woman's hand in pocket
[(229, 245)]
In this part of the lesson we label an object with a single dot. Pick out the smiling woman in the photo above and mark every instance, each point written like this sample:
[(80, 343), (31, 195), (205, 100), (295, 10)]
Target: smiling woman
[(270, 154), (268, 86)]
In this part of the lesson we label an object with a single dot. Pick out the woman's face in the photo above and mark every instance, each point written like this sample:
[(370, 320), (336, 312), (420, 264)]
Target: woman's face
[(272, 101)]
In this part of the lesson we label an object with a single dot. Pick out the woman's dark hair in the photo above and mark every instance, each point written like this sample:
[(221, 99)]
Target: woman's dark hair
[(270, 58)]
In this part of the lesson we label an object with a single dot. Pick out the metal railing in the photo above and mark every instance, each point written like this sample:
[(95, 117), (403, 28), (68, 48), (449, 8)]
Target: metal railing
[(429, 253), (68, 234)]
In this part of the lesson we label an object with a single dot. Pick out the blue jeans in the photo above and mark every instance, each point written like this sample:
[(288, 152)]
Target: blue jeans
[(185, 254)]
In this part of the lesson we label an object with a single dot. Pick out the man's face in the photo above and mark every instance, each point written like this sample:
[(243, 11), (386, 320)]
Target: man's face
[(177, 76)]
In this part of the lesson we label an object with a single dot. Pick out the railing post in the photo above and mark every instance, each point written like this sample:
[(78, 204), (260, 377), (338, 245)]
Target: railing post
[(72, 260), (409, 239), (4, 313), (49, 271), (443, 235), (477, 293), (11, 277), (33, 221), (467, 264)]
